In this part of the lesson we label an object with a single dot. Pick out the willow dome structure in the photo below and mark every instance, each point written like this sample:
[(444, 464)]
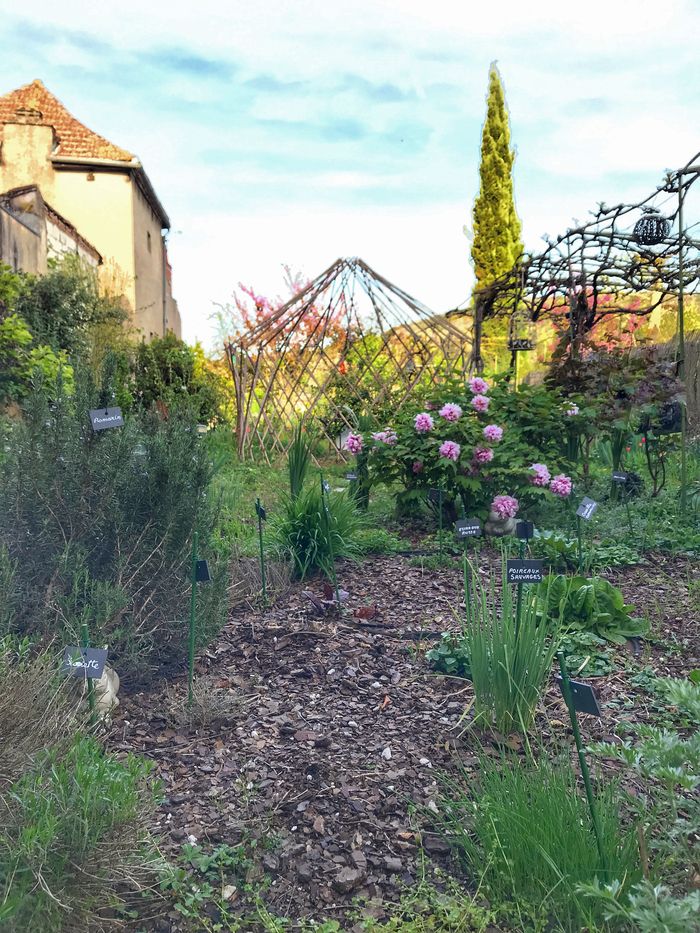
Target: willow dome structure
[(349, 344)]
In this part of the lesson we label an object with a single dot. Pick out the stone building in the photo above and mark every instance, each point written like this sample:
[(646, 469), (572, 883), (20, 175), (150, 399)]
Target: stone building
[(99, 191)]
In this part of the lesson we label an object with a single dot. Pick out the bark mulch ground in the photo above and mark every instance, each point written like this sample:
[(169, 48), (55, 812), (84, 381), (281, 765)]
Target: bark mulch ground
[(330, 759)]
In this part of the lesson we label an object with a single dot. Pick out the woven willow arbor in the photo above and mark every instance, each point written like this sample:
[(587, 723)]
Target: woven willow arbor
[(350, 342)]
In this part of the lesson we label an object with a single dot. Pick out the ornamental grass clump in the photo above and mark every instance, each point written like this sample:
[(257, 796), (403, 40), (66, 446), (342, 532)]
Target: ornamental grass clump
[(522, 831), (511, 653), (312, 537)]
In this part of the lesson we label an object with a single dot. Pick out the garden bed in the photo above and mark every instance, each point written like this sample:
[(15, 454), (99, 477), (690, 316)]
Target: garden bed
[(325, 770)]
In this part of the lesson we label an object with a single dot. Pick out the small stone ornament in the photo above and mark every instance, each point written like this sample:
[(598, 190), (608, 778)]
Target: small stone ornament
[(499, 527)]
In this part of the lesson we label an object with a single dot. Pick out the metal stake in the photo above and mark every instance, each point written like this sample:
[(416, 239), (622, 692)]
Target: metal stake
[(329, 539), (263, 576), (582, 758), (85, 635), (193, 612)]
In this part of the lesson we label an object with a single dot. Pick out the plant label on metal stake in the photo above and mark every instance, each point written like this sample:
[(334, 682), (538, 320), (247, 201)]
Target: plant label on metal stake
[(103, 418), (88, 663), (325, 486), (619, 477), (468, 528), (351, 477), (201, 572), (524, 571), (525, 531), (587, 507), (434, 496), (262, 516), (583, 696)]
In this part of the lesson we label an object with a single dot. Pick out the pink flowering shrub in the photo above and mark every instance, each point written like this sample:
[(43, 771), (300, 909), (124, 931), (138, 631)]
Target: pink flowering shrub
[(354, 443), (572, 410), (450, 450), (561, 486), (451, 412), (505, 506), (423, 422), (474, 446), (493, 433), (539, 474)]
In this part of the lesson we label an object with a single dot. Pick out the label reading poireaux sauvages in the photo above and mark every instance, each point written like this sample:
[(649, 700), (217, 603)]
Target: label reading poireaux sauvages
[(524, 571), (103, 418), (468, 528)]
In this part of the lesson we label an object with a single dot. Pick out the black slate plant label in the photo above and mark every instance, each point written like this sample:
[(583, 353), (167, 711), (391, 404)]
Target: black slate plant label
[(84, 662), (468, 528), (434, 495), (620, 477), (103, 418), (351, 476), (583, 696), (201, 572), (260, 511), (525, 531), (586, 508), (326, 486), (524, 571)]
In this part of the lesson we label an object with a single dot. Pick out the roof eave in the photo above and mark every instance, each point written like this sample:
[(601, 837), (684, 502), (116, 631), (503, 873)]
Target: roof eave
[(117, 165)]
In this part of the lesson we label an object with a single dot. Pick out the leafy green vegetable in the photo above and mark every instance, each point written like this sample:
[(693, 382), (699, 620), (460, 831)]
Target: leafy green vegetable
[(591, 604)]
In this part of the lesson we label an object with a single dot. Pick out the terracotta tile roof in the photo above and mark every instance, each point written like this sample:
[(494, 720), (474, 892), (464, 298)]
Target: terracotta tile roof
[(32, 103)]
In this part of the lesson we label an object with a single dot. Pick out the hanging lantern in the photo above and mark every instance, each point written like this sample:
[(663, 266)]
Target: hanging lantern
[(651, 228), (521, 332)]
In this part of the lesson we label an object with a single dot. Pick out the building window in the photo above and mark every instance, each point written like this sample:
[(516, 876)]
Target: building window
[(148, 240)]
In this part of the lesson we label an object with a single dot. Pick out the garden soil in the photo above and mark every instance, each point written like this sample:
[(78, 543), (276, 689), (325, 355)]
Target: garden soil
[(327, 769)]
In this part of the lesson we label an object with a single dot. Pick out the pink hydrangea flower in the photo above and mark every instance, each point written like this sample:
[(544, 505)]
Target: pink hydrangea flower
[(478, 386), (450, 450), (482, 455), (493, 433), (540, 475), (505, 506), (387, 437), (561, 486), (572, 410), (417, 466), (451, 412), (353, 443), (481, 403), (423, 422)]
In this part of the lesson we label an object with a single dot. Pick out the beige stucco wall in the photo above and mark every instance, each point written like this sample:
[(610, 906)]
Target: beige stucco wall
[(59, 242), (149, 267)]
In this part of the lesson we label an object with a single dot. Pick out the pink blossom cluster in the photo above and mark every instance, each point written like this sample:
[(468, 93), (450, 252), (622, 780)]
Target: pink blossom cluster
[(450, 450), (505, 506), (540, 475), (423, 422), (482, 455), (478, 386), (451, 411), (387, 437), (561, 486), (572, 410), (353, 443), (480, 403), (417, 466), (493, 433)]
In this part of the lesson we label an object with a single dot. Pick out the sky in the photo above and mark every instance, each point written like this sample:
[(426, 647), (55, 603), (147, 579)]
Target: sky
[(294, 133)]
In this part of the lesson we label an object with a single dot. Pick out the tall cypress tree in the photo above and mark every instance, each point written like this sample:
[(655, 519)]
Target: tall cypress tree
[(496, 244)]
